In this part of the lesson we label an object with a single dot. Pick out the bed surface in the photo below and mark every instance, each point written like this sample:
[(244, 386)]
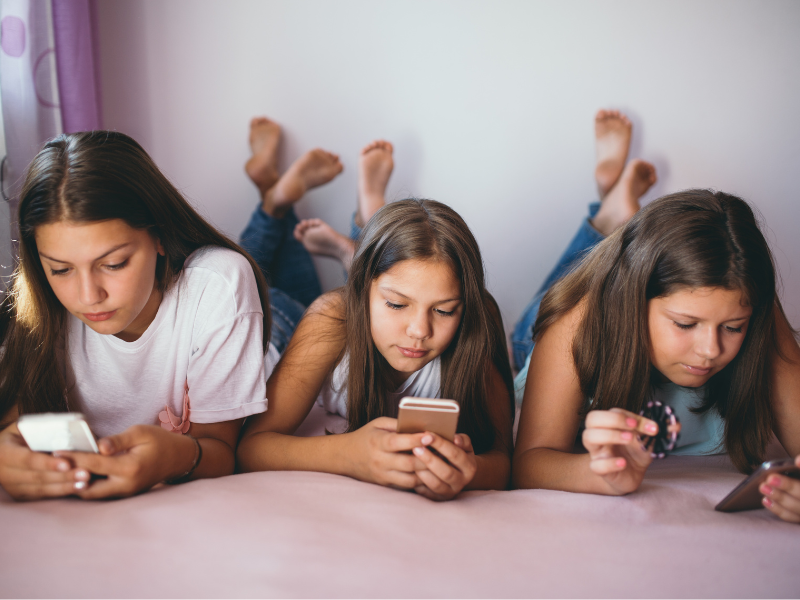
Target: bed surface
[(294, 534)]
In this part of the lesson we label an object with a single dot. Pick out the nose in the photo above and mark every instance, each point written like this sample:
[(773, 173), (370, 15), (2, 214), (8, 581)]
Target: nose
[(708, 344), (419, 327), (91, 292)]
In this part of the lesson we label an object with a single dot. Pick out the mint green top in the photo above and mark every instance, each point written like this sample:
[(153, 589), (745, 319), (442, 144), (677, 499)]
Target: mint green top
[(700, 434)]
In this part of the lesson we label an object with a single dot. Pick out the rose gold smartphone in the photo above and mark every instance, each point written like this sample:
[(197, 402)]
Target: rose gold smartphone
[(50, 432), (428, 414), (746, 496)]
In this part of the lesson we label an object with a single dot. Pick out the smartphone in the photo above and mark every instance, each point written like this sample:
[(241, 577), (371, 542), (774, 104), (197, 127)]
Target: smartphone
[(416, 415), (746, 495), (50, 432)]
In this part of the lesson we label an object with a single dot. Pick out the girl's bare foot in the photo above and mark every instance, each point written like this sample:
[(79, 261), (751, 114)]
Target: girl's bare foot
[(320, 238), (262, 167), (612, 133), (316, 167), (374, 169), (622, 201)]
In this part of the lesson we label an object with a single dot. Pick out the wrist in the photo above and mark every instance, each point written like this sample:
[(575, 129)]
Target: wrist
[(187, 461), (344, 457)]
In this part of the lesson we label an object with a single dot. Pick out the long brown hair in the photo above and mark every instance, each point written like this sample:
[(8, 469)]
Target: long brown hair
[(88, 177), (418, 230), (691, 239)]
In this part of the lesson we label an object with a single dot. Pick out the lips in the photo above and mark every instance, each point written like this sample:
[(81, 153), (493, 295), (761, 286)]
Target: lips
[(412, 352), (100, 316), (697, 370)]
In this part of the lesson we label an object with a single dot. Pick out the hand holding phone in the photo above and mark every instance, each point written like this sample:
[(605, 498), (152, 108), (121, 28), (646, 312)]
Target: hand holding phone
[(747, 495), (29, 475), (416, 415), (51, 432), (448, 457)]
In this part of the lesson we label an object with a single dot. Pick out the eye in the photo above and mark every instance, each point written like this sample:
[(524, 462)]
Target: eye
[(57, 272), (394, 306), (117, 266), (734, 329), (444, 313), (684, 325)]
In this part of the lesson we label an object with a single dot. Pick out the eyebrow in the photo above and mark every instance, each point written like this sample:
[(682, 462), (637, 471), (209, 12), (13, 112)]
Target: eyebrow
[(388, 289), (65, 262), (692, 317)]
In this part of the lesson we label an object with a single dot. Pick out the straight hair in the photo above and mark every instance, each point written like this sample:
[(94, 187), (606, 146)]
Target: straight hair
[(89, 177), (688, 240), (415, 229)]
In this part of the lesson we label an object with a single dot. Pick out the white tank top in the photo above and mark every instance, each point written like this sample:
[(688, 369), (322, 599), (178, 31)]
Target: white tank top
[(425, 383)]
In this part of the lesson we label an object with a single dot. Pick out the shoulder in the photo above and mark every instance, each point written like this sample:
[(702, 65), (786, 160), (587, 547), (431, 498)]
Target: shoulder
[(566, 326), (227, 265), (218, 275), (331, 305)]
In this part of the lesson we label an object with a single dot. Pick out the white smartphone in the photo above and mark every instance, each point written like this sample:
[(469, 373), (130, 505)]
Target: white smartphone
[(746, 496), (50, 432), (416, 415)]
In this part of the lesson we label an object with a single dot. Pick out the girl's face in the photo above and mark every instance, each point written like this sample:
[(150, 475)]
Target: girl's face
[(104, 273), (696, 332), (415, 309)]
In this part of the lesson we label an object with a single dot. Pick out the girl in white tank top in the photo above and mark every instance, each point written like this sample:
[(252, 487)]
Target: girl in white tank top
[(416, 319)]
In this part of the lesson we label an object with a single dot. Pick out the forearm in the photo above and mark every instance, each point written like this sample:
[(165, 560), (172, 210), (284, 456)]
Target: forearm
[(493, 471), (545, 468), (271, 451)]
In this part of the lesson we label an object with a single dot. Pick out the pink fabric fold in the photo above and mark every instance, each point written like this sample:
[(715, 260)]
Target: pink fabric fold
[(172, 422)]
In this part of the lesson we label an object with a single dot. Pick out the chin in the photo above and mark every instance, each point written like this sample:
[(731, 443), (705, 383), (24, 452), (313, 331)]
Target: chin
[(690, 382), (109, 327)]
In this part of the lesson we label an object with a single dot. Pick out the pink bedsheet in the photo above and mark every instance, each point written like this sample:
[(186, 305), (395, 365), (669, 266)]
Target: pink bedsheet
[(292, 534)]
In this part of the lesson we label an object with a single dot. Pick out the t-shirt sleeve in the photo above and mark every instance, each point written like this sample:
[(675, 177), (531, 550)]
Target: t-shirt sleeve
[(226, 375)]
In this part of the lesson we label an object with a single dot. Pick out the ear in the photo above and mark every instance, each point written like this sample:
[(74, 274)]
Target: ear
[(159, 246)]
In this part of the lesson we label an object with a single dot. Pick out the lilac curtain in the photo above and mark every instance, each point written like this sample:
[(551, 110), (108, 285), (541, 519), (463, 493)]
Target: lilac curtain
[(78, 66), (49, 81)]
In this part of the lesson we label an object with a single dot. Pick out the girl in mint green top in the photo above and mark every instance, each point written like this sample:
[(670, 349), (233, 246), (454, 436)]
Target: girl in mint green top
[(679, 304)]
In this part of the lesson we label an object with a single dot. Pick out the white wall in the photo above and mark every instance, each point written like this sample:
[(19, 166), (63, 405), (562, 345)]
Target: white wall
[(489, 105)]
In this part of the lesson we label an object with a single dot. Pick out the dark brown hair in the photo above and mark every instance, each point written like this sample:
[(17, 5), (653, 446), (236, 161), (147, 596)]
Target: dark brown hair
[(691, 239), (88, 177), (423, 230)]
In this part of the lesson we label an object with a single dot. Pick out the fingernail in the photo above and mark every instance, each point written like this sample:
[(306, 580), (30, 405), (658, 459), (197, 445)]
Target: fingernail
[(419, 451), (651, 428), (626, 435), (426, 439), (765, 489), (775, 481), (82, 475), (80, 485), (106, 446), (630, 422), (767, 502), (63, 467), (620, 462)]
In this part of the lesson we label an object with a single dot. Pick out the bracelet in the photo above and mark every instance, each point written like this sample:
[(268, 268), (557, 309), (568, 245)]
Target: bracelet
[(197, 458)]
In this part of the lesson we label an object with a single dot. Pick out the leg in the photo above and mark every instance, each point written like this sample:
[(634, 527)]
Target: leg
[(320, 238), (316, 167), (612, 136), (286, 314), (375, 166), (293, 268), (586, 238), (268, 236), (374, 169), (262, 166), (617, 206)]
